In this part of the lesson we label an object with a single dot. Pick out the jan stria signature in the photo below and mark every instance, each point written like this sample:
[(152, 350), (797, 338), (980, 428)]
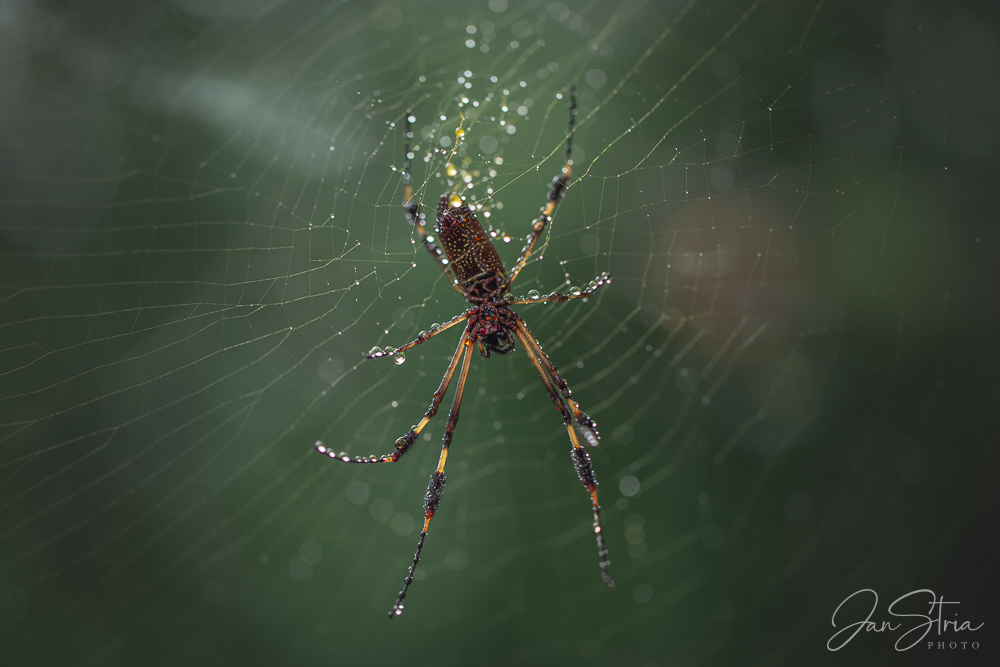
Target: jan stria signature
[(915, 626)]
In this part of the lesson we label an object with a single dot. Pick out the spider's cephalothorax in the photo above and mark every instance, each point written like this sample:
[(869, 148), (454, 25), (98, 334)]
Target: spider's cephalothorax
[(467, 256), (493, 325)]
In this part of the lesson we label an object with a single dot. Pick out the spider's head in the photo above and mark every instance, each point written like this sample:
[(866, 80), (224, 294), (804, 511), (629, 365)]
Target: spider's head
[(500, 342)]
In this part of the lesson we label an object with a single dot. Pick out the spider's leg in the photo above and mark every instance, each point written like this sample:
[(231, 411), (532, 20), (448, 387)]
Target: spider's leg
[(581, 459), (404, 443), (412, 207), (587, 426), (397, 352), (556, 192), (556, 297), (435, 487)]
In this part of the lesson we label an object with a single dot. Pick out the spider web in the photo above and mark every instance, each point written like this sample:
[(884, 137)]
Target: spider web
[(793, 368)]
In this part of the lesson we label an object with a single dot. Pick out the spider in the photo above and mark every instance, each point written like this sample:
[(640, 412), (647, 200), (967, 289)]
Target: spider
[(468, 257)]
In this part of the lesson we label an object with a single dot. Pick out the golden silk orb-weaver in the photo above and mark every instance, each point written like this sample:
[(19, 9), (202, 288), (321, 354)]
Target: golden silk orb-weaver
[(467, 255)]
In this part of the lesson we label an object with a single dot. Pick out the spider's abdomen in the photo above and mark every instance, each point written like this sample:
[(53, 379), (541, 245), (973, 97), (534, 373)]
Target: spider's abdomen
[(470, 251)]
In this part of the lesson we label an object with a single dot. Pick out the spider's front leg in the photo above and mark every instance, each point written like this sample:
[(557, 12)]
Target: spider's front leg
[(410, 205), (556, 192), (412, 208)]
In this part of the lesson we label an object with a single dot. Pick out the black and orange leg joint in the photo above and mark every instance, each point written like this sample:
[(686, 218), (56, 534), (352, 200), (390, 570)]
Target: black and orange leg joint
[(432, 499), (558, 188), (556, 192), (403, 445), (585, 471), (581, 417)]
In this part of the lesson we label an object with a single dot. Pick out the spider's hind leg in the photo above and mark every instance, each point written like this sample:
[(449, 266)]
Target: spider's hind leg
[(435, 486), (588, 428), (404, 443), (581, 459)]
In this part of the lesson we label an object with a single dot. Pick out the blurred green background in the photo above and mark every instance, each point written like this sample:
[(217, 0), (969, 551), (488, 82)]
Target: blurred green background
[(794, 368)]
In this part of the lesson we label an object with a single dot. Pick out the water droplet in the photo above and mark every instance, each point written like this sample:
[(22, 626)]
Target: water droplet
[(508, 296), (452, 170), (534, 295), (375, 352), (459, 132), (590, 437), (398, 358), (574, 290)]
